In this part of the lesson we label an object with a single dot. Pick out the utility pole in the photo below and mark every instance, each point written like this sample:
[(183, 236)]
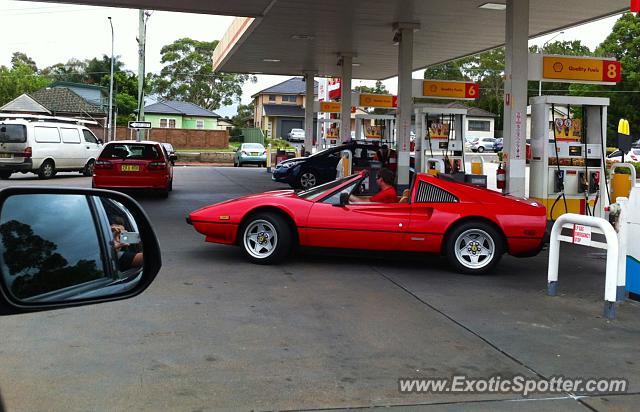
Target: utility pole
[(110, 133), (141, 54)]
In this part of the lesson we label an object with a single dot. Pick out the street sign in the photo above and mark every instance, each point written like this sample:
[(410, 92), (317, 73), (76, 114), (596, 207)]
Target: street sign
[(139, 125)]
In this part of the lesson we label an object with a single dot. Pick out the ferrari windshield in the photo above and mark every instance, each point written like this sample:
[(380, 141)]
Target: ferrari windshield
[(319, 191)]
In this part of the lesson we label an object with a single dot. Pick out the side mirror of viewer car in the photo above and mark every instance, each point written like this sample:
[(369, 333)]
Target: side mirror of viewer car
[(72, 247)]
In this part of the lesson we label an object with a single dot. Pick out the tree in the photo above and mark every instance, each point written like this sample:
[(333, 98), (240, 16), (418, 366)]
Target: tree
[(244, 116), (18, 80), (19, 58), (188, 75), (379, 88), (446, 71), (72, 71)]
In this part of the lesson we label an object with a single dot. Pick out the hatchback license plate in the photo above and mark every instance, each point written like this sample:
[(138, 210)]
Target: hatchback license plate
[(130, 168)]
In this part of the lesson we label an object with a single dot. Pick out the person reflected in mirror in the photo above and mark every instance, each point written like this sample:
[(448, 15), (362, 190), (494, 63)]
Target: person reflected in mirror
[(387, 194), (127, 258)]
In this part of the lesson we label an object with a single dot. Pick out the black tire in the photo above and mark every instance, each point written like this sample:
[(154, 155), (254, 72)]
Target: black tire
[(275, 231), (164, 193), (485, 247), (480, 149), (171, 185), (88, 168), (234, 163), (47, 170), (307, 179), (5, 175)]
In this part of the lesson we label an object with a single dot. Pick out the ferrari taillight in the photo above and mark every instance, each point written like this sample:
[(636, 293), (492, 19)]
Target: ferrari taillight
[(103, 164)]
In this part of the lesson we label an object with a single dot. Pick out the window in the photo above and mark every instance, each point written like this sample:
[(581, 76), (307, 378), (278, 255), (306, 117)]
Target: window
[(272, 98), (46, 134), (13, 133), (199, 124), (479, 126), (289, 98), (89, 137), (334, 199), (168, 123), (70, 135), (428, 193), (131, 151)]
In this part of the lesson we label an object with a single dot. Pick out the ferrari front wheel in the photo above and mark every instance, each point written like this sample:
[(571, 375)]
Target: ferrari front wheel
[(474, 247), (266, 238)]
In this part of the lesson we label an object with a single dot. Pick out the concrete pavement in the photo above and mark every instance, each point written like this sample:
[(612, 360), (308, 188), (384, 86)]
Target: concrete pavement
[(325, 330)]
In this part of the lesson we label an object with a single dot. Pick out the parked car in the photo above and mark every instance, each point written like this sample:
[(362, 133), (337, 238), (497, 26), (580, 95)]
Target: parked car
[(307, 172), (296, 135), (498, 145), (482, 144), (250, 153), (45, 145), (128, 164), (171, 152), (460, 224)]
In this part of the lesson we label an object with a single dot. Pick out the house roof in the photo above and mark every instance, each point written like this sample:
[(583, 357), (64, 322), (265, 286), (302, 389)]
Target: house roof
[(24, 104), (294, 85), (179, 108), (80, 85), (64, 100), (283, 110), (471, 111)]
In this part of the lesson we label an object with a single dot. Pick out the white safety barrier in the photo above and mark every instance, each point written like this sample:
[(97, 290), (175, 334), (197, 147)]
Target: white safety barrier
[(625, 165), (612, 279)]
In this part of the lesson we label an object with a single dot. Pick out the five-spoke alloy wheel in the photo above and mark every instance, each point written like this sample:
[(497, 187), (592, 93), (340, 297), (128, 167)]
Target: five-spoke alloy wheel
[(474, 247), (266, 238)]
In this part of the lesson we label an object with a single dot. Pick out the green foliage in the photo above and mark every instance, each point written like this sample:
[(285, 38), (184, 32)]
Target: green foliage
[(244, 116), (379, 88), (446, 71), (611, 150), (18, 80), (188, 75), (278, 144)]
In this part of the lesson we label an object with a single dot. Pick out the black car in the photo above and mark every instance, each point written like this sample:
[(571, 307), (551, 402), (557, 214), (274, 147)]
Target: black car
[(307, 172)]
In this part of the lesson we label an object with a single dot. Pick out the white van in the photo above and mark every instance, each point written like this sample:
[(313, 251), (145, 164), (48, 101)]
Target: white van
[(45, 145)]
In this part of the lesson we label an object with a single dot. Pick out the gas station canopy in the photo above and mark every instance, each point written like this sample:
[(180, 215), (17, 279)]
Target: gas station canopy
[(288, 37)]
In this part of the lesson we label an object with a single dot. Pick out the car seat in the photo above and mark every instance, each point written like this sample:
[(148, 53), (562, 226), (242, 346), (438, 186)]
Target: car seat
[(405, 196)]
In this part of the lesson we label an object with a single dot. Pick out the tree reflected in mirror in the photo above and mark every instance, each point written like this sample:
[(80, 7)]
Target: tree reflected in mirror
[(57, 248)]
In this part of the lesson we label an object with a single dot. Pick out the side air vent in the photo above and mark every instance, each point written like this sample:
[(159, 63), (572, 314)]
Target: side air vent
[(428, 193)]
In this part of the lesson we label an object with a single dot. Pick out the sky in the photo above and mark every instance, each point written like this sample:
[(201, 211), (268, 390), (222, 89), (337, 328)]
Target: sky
[(83, 32)]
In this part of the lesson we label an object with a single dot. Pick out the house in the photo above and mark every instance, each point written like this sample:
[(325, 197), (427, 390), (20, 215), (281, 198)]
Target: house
[(280, 108), (91, 93), (57, 101), (181, 115)]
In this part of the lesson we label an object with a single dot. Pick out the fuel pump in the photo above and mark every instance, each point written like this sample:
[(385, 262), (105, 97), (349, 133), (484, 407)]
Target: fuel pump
[(440, 135), (328, 132), (567, 154), (382, 129)]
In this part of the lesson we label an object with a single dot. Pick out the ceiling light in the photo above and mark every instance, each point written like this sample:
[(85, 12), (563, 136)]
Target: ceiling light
[(493, 6), (271, 60), (355, 64), (302, 37)]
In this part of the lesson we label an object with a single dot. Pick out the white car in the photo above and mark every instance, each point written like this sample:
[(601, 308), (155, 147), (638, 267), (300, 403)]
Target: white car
[(482, 144), (296, 135), (632, 156)]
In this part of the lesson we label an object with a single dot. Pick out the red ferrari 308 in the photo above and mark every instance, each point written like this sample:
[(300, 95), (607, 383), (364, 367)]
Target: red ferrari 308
[(470, 225)]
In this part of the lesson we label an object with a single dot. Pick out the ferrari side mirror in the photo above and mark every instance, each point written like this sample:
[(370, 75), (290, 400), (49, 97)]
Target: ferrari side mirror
[(72, 247), (344, 199)]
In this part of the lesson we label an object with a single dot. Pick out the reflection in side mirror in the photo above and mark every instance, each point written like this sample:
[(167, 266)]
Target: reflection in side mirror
[(66, 247)]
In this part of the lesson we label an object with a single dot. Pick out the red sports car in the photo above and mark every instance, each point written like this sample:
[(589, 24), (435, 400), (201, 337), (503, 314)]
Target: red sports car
[(472, 226)]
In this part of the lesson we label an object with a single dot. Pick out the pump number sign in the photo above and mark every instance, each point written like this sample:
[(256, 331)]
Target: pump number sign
[(582, 235), (450, 90), (581, 69)]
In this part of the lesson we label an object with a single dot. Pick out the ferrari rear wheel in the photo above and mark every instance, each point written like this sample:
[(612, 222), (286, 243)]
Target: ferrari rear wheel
[(266, 238), (474, 248)]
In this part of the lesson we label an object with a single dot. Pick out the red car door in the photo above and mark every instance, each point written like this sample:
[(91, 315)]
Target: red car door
[(376, 226)]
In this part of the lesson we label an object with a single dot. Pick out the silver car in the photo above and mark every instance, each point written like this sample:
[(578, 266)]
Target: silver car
[(482, 144), (249, 153)]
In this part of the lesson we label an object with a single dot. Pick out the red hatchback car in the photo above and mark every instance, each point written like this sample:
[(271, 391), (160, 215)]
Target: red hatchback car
[(129, 164)]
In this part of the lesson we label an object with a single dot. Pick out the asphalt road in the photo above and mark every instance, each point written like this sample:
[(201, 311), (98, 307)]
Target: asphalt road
[(324, 330)]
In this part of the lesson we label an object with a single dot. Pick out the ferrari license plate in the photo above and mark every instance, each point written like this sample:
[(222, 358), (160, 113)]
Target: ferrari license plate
[(6, 155), (130, 168)]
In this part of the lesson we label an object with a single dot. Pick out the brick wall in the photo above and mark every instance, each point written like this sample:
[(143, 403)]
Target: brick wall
[(179, 138)]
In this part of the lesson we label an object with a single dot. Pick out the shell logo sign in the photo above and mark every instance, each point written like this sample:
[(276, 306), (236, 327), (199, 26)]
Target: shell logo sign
[(378, 100), (581, 69), (450, 90)]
